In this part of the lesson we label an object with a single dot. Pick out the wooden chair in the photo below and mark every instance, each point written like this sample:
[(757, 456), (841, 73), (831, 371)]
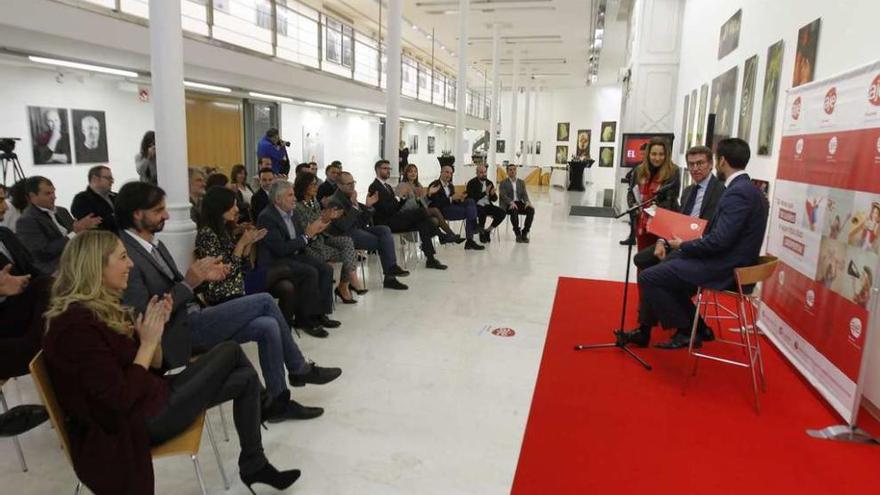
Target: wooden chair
[(186, 443), (3, 408), (746, 279)]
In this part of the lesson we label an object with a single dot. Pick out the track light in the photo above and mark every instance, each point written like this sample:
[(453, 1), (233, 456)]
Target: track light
[(78, 65)]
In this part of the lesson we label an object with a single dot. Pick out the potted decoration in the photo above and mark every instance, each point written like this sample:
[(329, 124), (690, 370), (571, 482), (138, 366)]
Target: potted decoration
[(446, 158)]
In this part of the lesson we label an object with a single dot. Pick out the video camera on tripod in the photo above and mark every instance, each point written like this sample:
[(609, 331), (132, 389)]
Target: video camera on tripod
[(8, 156)]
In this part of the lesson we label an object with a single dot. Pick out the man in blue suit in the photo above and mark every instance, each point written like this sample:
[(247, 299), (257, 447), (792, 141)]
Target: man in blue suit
[(734, 240)]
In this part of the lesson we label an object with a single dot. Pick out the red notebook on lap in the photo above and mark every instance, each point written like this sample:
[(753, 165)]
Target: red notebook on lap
[(667, 224)]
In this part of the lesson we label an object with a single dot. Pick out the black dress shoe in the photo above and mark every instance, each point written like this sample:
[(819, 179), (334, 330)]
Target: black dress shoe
[(22, 418), (471, 244), (525, 237), (396, 271), (326, 322), (637, 337), (268, 475), (291, 409), (485, 237), (628, 242), (519, 237), (316, 376), (393, 283), (311, 328), (435, 264), (680, 340)]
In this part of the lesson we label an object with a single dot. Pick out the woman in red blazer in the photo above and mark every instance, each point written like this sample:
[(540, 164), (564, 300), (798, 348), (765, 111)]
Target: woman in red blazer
[(104, 366)]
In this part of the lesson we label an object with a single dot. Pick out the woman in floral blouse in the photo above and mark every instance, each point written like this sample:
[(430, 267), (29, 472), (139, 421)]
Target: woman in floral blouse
[(221, 236)]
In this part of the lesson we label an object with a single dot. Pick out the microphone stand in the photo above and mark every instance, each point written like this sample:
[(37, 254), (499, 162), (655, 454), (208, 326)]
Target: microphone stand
[(618, 334)]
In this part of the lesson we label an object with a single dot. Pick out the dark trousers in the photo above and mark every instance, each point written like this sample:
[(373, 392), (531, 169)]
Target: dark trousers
[(376, 238), (467, 211), (667, 296), (643, 260), (303, 285), (22, 327), (221, 374), (521, 209), (417, 219), (490, 210)]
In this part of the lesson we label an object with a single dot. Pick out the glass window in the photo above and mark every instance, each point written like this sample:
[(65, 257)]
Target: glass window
[(298, 34), (450, 92), (338, 42)]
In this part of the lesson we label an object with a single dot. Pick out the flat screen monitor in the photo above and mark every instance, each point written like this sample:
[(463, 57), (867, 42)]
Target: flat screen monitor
[(632, 144)]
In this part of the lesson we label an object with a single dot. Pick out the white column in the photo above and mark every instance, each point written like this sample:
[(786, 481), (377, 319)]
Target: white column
[(462, 155), (392, 87), (514, 100), (526, 158), (169, 114), (493, 105), (536, 159)]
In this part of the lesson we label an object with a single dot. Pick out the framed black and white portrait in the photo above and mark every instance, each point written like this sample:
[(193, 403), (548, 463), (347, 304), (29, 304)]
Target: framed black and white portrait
[(89, 136), (50, 135)]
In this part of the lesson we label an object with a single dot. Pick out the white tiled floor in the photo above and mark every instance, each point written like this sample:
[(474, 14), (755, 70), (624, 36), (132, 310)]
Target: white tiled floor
[(428, 402)]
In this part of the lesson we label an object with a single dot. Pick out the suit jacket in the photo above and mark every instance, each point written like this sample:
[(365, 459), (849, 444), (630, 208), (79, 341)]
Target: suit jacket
[(325, 189), (106, 399), (714, 190), (259, 200), (89, 201), (351, 219), (505, 193), (145, 280), (387, 206), (41, 236), (278, 246), (736, 233), (475, 190), (440, 199), (22, 260)]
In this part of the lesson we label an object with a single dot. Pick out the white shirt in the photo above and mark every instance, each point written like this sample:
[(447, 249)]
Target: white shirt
[(147, 245), (445, 187), (701, 194), (513, 183), (733, 176), (9, 256), (57, 223)]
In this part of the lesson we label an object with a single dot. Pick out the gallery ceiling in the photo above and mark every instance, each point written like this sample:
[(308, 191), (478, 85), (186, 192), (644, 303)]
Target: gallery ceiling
[(552, 36)]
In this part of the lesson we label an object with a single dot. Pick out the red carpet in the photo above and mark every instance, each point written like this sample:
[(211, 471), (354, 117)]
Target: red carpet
[(601, 424)]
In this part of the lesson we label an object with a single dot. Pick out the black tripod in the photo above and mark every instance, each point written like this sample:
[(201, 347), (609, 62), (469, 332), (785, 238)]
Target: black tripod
[(618, 334), (7, 158)]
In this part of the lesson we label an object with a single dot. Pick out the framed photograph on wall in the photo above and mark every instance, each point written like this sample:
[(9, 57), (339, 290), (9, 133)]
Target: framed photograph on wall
[(633, 147), (609, 132), (414, 144), (89, 136), (729, 37), (562, 154), (724, 103), (805, 57), (537, 147), (701, 116), (606, 156), (582, 149), (747, 98), (684, 123), (772, 75), (499, 146), (562, 130), (431, 144), (692, 117), (50, 135)]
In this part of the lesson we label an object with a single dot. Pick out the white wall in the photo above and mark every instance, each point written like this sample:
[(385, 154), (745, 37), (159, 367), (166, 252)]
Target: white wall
[(127, 119), (584, 108), (847, 39)]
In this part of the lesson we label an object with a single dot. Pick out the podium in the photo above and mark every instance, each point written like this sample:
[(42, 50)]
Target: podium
[(576, 173)]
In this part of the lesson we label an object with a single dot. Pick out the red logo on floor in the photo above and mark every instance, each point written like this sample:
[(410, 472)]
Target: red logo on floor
[(503, 332)]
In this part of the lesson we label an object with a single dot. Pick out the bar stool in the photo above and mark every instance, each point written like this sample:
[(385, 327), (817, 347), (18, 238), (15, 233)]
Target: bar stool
[(3, 408), (746, 279)]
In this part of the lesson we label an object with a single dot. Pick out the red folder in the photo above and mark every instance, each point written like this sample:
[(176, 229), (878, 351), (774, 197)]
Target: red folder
[(667, 224)]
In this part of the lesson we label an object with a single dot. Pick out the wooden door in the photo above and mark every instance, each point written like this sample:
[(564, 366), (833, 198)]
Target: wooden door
[(214, 133)]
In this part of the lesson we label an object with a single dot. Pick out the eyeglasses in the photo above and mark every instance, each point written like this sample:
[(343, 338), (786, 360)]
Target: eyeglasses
[(107, 177), (347, 183), (698, 164)]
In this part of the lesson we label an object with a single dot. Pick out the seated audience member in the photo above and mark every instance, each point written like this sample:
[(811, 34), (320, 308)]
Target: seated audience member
[(734, 240), (655, 178), (17, 201), (145, 160), (414, 197), (141, 213), (272, 153), (481, 191), (218, 179), (282, 253), (324, 246), (356, 222), (700, 199), (197, 184), (97, 199), (513, 197), (313, 169), (300, 168), (329, 186), (389, 212), (455, 206), (105, 365), (43, 228), (244, 193), (261, 197)]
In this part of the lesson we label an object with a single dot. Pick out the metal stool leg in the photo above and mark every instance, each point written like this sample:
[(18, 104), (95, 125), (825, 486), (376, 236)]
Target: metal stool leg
[(78, 489), (216, 453), (18, 450), (198, 469), (751, 359)]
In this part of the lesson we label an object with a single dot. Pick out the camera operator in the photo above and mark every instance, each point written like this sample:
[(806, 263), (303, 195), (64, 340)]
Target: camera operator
[(272, 152)]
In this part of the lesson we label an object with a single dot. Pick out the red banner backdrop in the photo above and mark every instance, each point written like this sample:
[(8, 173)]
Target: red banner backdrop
[(825, 229)]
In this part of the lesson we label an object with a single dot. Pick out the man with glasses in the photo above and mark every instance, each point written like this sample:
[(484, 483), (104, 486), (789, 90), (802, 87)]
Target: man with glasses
[(97, 199), (356, 222), (700, 199)]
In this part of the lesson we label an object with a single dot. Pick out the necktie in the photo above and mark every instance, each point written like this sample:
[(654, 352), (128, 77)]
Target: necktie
[(689, 206), (161, 262)]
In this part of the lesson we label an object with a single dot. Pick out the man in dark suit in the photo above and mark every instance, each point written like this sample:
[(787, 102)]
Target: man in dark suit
[(97, 199), (260, 199), (455, 205), (734, 240), (388, 212), (282, 254), (43, 228), (328, 187), (481, 190), (514, 199), (141, 213)]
